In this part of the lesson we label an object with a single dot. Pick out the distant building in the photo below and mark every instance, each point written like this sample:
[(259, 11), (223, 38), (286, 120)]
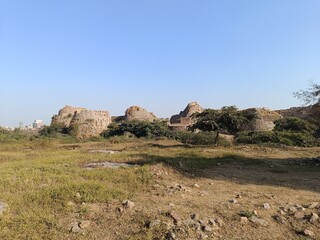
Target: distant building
[(37, 124)]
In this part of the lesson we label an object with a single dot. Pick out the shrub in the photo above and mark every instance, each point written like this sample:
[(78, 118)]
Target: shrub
[(139, 129), (53, 130), (287, 138), (200, 138), (294, 124)]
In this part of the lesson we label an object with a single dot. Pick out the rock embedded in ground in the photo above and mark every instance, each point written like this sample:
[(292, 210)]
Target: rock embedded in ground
[(313, 205), (176, 218), (234, 201), (108, 165), (153, 223), (128, 204), (111, 152), (207, 229), (219, 222), (299, 215), (314, 218), (244, 220), (170, 236), (266, 206), (3, 207), (76, 228), (308, 233), (85, 224), (258, 221)]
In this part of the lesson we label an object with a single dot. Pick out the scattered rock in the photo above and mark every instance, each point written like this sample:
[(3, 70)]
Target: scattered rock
[(280, 219), (120, 210), (85, 224), (212, 222), (238, 196), (194, 216), (128, 204), (314, 218), (219, 222), (153, 223), (75, 228), (234, 201), (293, 209), (244, 220), (108, 165), (259, 221), (266, 206), (78, 195), (313, 205), (299, 215), (3, 207), (71, 204), (196, 186), (111, 152), (176, 218), (170, 236), (281, 212), (308, 233), (207, 229)]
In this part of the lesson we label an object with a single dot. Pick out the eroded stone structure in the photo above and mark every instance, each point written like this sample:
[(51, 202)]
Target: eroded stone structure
[(264, 119), (308, 113), (182, 120), (139, 113), (83, 123), (66, 115)]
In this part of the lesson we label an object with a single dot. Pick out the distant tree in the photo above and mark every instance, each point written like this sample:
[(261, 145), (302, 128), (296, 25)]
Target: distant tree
[(309, 96)]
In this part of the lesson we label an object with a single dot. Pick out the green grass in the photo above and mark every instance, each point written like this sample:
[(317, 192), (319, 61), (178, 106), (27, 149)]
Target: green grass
[(37, 185)]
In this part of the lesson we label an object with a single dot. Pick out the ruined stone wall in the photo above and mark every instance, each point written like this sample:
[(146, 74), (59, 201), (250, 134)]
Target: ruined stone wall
[(306, 113), (139, 113), (89, 123), (184, 117), (264, 120), (66, 115)]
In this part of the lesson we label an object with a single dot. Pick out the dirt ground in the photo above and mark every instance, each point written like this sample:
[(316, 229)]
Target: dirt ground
[(240, 192)]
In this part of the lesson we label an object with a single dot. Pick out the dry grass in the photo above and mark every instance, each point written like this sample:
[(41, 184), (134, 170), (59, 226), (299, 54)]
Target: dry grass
[(47, 189)]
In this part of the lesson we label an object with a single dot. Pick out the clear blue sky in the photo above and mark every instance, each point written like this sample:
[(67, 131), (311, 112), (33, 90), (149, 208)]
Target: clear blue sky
[(159, 54)]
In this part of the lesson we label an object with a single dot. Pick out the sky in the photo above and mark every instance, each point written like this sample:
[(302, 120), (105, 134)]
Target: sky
[(158, 54)]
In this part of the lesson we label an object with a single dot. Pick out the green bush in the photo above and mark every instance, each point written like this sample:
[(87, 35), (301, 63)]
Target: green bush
[(287, 138), (138, 129), (53, 130), (15, 135), (200, 138), (294, 124)]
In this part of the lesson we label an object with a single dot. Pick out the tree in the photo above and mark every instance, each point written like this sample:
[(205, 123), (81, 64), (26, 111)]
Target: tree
[(227, 120), (309, 96)]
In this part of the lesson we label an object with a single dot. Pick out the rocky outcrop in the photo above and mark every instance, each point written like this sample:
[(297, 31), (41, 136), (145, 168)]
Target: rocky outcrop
[(263, 121), (139, 113), (81, 122), (182, 120), (307, 113), (66, 115)]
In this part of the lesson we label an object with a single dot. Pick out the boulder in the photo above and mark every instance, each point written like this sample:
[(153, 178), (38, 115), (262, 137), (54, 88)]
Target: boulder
[(182, 120), (89, 123), (66, 115), (264, 119), (139, 113)]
